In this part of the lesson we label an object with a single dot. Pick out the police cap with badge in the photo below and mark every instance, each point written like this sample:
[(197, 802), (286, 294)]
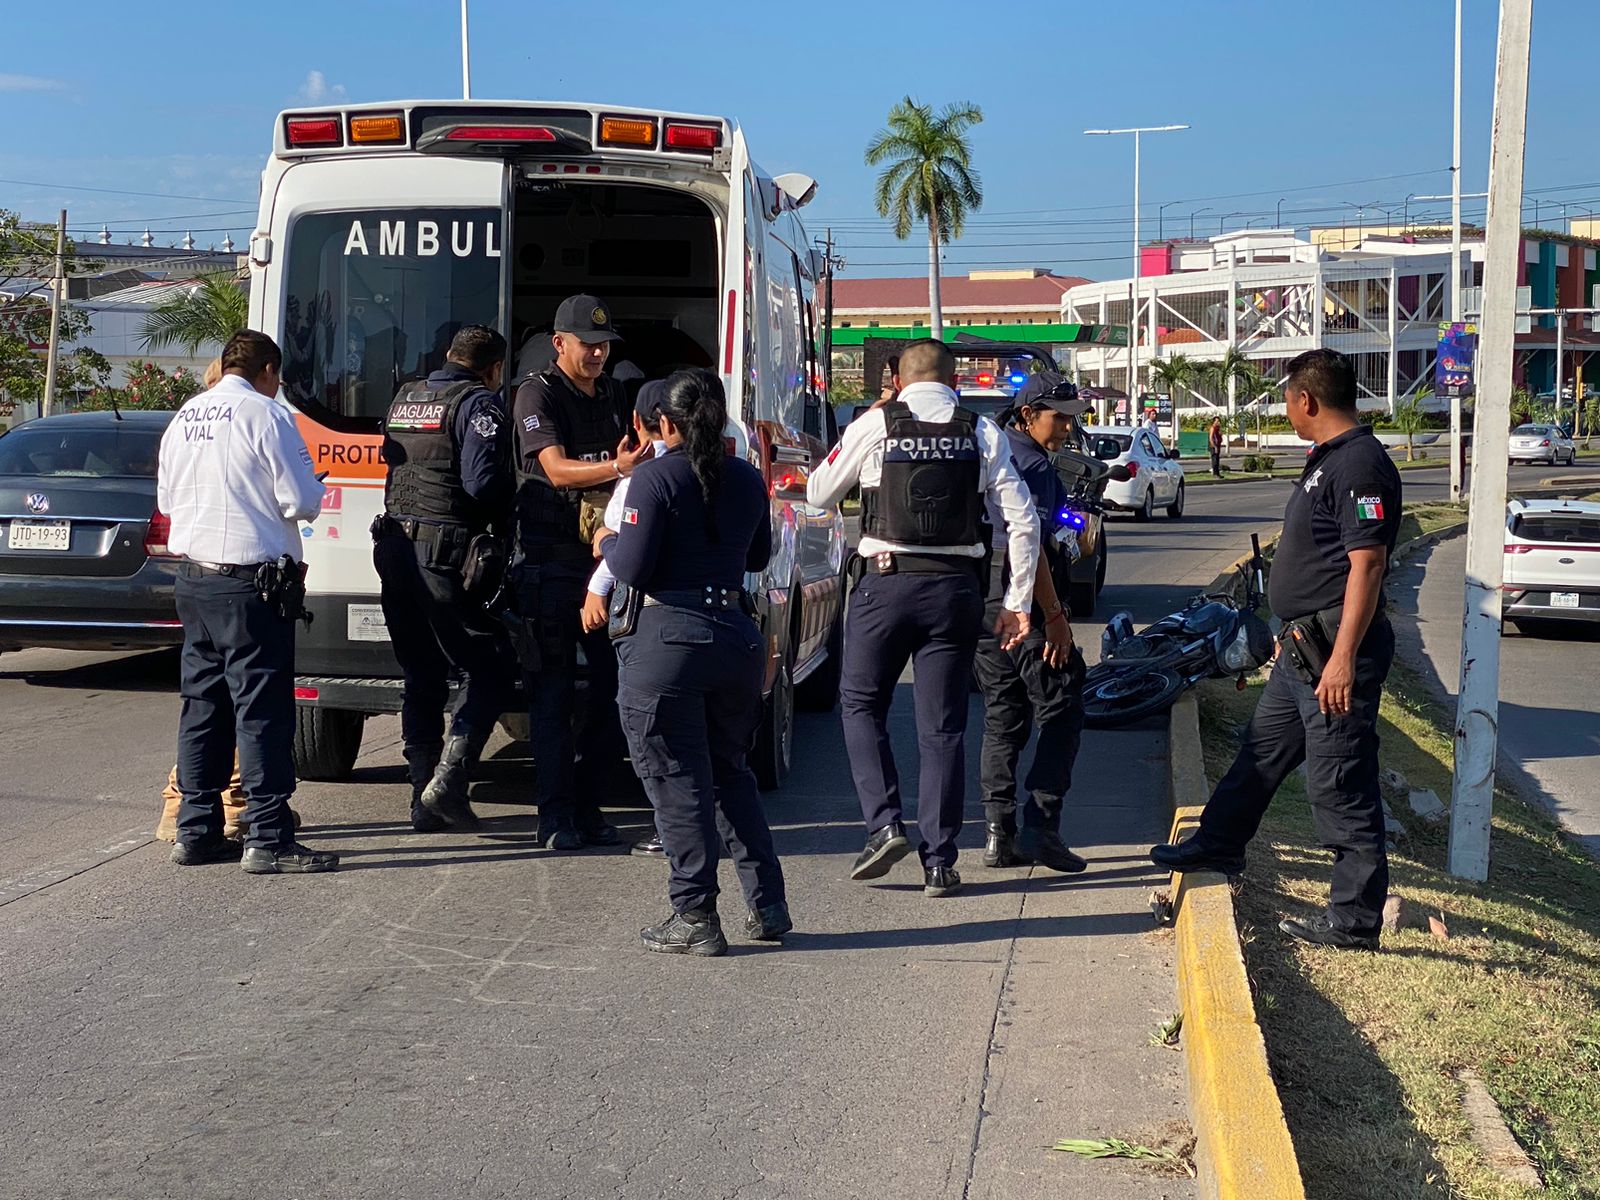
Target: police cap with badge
[(587, 318)]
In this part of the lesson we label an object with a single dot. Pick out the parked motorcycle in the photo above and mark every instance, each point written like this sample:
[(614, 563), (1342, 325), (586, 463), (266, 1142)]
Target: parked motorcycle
[(1214, 636)]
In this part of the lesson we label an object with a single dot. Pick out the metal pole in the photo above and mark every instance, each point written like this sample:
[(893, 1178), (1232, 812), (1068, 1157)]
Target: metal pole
[(1133, 331), (1477, 712), (1455, 264), (58, 286), (827, 319), (1561, 321), (466, 59)]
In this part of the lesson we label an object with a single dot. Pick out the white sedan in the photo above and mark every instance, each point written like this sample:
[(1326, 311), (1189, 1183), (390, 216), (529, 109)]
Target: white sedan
[(1552, 562), (1155, 479), (1542, 443)]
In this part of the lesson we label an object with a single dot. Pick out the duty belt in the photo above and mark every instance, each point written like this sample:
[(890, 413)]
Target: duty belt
[(230, 570), (419, 530), (920, 564), (716, 598)]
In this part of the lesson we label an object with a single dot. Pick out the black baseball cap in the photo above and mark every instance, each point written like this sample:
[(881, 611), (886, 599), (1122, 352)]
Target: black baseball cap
[(651, 397), (585, 317), (1051, 391)]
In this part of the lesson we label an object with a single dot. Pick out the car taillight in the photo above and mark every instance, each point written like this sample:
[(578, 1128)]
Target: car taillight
[(156, 534), (1133, 469), (1546, 442), (1519, 549)]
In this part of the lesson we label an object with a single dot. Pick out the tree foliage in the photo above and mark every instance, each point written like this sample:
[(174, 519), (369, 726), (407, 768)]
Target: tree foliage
[(1409, 417), (1174, 372), (27, 263), (148, 387), (213, 311)]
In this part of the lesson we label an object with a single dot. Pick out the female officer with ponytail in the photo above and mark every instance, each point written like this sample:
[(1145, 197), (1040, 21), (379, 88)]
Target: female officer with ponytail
[(691, 659)]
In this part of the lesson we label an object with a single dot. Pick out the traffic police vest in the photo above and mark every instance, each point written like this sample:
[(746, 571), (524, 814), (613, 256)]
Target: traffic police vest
[(424, 461), (928, 492), (549, 514)]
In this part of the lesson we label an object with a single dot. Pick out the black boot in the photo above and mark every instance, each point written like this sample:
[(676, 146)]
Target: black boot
[(693, 931), (1194, 855), (1045, 847), (446, 793), (998, 847), (421, 763), (769, 922)]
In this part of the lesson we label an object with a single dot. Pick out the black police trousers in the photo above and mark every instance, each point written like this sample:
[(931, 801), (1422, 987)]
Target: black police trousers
[(1341, 759), (690, 699), (932, 621), (550, 601), (435, 630), (236, 677), (1022, 693)]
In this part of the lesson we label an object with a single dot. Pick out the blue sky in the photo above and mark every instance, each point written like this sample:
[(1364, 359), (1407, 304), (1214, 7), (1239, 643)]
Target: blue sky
[(1286, 101)]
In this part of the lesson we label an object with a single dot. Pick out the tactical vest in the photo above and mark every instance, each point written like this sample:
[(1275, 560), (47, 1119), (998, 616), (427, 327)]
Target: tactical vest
[(927, 494), (546, 514), (424, 461)]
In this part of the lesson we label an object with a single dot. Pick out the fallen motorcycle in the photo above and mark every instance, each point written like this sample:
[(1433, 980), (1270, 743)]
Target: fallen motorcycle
[(1214, 636)]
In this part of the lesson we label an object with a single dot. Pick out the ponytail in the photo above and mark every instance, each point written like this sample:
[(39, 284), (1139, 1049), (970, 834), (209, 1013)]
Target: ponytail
[(695, 403)]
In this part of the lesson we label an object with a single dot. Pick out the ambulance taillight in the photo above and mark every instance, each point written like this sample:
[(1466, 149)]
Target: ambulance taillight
[(304, 132)]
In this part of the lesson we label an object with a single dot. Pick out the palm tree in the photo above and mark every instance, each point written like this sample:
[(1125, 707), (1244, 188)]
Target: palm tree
[(928, 177), (1249, 386), (1177, 371), (1408, 417), (215, 309), (1234, 365)]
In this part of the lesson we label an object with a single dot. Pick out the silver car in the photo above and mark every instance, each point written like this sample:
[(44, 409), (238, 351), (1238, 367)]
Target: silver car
[(83, 557), (1542, 443)]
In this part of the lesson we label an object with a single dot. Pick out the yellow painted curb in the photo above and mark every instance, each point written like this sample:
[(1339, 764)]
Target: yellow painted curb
[(1242, 1146)]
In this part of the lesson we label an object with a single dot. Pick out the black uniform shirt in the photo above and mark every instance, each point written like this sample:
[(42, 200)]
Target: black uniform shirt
[(1049, 497), (663, 544), (1347, 498), (549, 410), (480, 432)]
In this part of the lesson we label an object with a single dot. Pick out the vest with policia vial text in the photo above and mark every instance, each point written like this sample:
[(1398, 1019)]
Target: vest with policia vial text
[(424, 461), (928, 492)]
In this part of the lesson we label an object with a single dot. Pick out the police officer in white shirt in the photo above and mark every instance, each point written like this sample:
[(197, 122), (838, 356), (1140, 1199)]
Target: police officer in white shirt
[(235, 477), (925, 466)]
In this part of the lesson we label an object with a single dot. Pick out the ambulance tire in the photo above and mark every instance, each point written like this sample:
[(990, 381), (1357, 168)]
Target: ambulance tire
[(774, 749), (326, 742)]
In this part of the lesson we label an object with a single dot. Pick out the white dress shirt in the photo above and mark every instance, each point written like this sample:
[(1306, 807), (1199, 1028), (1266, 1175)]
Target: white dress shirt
[(859, 458), (235, 477), (603, 581)]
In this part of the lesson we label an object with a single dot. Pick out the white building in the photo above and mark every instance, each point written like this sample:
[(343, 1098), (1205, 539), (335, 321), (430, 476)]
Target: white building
[(1271, 296)]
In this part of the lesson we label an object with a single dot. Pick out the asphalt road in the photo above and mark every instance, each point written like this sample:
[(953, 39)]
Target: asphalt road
[(1549, 715), (449, 1013)]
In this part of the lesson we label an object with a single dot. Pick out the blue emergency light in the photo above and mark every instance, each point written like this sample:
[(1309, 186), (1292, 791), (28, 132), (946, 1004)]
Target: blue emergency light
[(1018, 380), (1072, 520)]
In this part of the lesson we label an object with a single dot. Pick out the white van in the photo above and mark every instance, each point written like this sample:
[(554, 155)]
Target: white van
[(385, 227)]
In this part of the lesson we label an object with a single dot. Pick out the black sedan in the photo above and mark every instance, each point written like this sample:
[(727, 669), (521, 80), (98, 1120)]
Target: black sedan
[(83, 556)]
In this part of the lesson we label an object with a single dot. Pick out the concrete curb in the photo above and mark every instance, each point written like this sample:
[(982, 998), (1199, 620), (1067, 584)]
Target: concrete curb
[(1243, 1150)]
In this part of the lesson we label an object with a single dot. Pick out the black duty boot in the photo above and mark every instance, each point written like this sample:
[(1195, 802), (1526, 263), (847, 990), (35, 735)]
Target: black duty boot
[(997, 847), (650, 847), (695, 931), (200, 854), (940, 881), (884, 848), (421, 763), (769, 922), (1045, 847), (1194, 855), (1320, 931), (446, 793), (290, 859)]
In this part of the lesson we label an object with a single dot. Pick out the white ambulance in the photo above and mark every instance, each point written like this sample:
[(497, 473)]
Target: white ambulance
[(385, 227)]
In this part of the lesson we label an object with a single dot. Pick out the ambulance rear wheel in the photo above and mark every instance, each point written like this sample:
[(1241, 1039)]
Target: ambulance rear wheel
[(326, 742), (774, 749)]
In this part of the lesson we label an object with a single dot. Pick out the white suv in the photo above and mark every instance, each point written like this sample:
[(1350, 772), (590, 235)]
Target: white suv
[(1155, 480), (1542, 443), (1552, 562)]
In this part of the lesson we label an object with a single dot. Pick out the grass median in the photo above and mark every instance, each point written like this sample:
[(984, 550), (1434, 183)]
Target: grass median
[(1368, 1050)]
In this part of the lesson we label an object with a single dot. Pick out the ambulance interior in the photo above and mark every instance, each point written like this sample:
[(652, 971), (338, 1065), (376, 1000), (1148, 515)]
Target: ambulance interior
[(651, 253)]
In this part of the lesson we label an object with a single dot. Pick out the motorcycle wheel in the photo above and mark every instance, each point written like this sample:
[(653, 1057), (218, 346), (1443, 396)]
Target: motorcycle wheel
[(1113, 698)]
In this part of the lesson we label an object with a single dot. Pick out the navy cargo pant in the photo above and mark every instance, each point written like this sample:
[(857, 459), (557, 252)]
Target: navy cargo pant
[(931, 620), (435, 630), (236, 677), (1023, 693), (689, 697), (550, 601), (1341, 759)]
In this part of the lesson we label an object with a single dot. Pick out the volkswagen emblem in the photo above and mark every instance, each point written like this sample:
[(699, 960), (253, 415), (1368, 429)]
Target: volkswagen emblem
[(38, 502)]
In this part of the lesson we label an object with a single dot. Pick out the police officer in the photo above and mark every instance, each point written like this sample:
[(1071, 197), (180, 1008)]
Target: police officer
[(694, 522), (235, 478), (1037, 684), (446, 500), (1320, 705), (925, 466), (572, 430)]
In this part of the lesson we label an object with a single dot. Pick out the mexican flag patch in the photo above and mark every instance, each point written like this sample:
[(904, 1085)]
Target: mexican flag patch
[(1369, 508)]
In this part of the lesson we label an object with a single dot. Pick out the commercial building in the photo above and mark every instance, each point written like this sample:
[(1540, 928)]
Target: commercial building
[(1031, 296)]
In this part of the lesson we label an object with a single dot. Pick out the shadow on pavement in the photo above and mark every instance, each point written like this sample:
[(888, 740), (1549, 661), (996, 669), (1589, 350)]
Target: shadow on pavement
[(156, 671), (966, 933)]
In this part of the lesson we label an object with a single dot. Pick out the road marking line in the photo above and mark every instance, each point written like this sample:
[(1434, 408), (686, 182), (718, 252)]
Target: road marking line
[(88, 860)]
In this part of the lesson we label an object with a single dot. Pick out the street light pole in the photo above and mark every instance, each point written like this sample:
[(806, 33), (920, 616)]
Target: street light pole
[(1278, 223), (1192, 216), (1161, 213), (1133, 308), (1455, 264), (466, 62), (1477, 724)]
